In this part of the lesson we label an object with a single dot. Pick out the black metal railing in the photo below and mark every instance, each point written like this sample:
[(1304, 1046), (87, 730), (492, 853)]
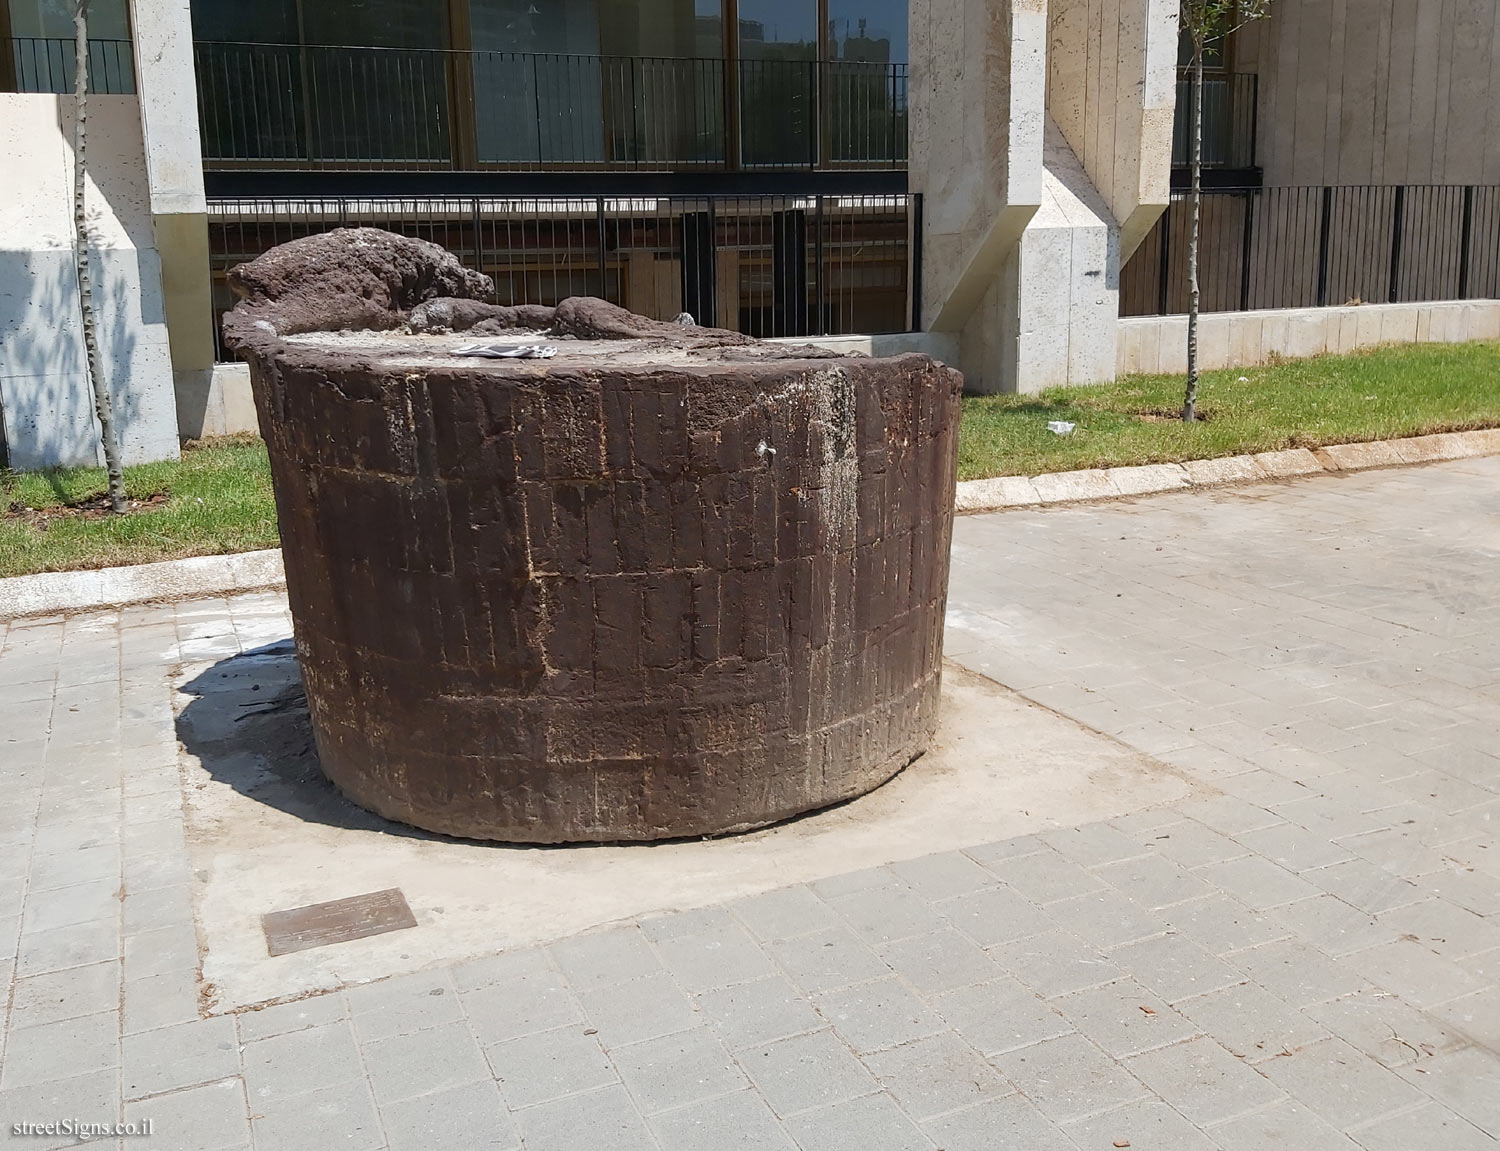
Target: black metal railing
[(1309, 247), (46, 64), (764, 265), (286, 105), (1229, 121)]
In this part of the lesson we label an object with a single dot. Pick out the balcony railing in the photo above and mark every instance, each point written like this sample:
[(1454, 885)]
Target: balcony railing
[(37, 64), (1229, 103), (291, 106)]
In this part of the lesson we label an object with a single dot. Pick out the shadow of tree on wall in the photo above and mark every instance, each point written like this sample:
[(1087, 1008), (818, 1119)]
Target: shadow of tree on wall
[(46, 400)]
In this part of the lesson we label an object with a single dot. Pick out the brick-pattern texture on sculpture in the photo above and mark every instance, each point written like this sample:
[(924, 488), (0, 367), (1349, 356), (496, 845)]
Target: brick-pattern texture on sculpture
[(613, 602)]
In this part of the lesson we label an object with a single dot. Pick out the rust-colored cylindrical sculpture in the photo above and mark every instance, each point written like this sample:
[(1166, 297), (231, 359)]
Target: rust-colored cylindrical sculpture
[(669, 582)]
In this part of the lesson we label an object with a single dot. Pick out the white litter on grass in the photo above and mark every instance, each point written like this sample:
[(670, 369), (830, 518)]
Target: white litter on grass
[(508, 351), (1060, 427)]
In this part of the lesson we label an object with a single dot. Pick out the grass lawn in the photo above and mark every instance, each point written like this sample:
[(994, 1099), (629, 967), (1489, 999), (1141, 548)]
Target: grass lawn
[(217, 499), (1383, 393)]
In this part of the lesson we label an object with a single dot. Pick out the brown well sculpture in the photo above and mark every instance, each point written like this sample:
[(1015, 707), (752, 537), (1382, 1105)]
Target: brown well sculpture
[(671, 582)]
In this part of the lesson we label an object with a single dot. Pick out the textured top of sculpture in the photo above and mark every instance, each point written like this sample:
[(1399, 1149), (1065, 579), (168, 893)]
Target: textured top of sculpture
[(364, 280)]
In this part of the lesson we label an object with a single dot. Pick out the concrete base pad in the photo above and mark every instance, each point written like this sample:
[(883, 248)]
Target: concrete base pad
[(267, 832)]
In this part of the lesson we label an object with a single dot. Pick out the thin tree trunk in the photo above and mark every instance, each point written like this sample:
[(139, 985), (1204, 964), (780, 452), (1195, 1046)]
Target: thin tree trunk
[(103, 408), (1190, 403)]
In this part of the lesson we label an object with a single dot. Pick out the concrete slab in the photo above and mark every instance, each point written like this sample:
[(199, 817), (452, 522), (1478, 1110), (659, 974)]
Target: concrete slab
[(267, 832)]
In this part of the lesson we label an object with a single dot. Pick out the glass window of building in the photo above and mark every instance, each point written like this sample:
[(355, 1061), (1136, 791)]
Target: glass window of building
[(40, 47), (867, 30), (778, 29)]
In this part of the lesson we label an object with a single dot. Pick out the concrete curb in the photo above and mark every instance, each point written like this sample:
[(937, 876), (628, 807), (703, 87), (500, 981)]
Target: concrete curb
[(54, 593), (1093, 484)]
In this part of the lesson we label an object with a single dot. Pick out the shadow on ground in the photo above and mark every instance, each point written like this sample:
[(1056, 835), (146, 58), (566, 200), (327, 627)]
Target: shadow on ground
[(247, 723)]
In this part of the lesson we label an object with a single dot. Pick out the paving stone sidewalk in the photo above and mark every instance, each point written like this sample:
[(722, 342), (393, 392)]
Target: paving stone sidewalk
[(1309, 959)]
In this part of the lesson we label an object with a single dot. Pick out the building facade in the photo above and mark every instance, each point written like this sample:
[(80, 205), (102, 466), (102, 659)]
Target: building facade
[(1001, 175)]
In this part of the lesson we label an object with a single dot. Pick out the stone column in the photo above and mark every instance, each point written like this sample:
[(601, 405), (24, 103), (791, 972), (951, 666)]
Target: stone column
[(168, 96)]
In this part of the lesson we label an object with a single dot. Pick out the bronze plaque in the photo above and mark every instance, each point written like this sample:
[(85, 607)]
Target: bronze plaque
[(337, 921)]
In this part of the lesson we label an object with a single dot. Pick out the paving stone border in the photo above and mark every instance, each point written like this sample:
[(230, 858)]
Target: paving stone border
[(1091, 484), (57, 593)]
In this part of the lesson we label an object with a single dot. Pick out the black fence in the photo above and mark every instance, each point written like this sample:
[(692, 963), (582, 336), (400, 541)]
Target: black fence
[(1229, 121), (1314, 247), (763, 265), (37, 64), (269, 105)]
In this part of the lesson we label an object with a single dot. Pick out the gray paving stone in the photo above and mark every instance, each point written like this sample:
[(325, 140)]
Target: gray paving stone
[(1429, 1126), (163, 907), (1286, 1124), (1091, 844), (1043, 876), (1001, 1016), (1251, 1022), (827, 960), (934, 1075), (1124, 1018), (1221, 924), (1476, 1016), (940, 961), (528, 1001), (942, 876), (882, 1013), (604, 958), (416, 1063), (672, 924), (538, 1068), (1329, 924), (183, 1055), (1153, 882), (1467, 1081), (63, 947), (1387, 1030), (1298, 974), (806, 1071), (403, 1005), (1228, 815), (297, 1062), (717, 957), (850, 882), (1148, 1124), (870, 1123), (92, 1098), (1343, 1085), (161, 951), (995, 915), (340, 1116), (1204, 1081), (1190, 844), (160, 1001), (286, 1017), (785, 913), (528, 963), (65, 994), (641, 1009), (1444, 928), (1069, 1078), (61, 1050), (1418, 975), (1362, 885), (881, 914), (207, 1118), (1012, 1121), (751, 1014), (1056, 963), (471, 1116), (604, 1118), (1105, 918), (1175, 967), (678, 1069), (1257, 882), (738, 1122)]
